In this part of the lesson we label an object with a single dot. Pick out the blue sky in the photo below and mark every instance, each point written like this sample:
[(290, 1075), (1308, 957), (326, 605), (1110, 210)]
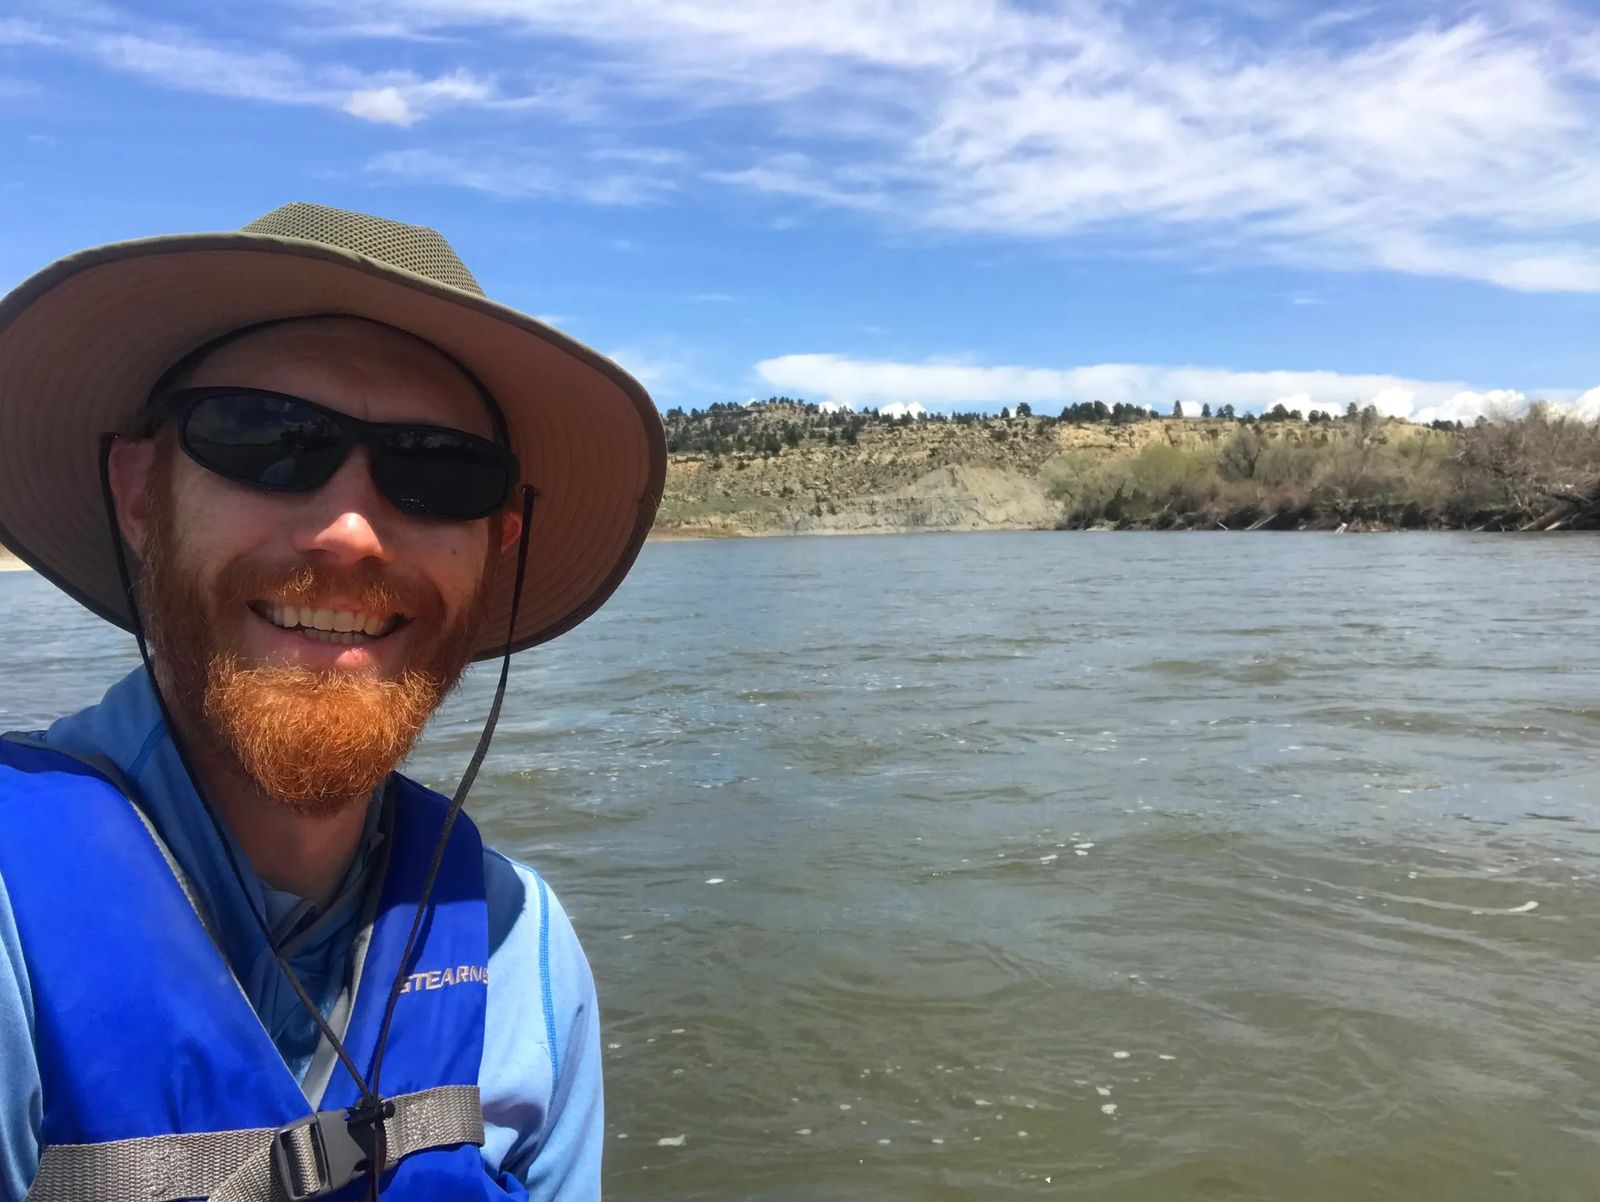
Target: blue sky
[(958, 203)]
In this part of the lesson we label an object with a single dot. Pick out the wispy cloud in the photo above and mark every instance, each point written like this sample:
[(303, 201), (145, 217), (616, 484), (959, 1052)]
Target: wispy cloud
[(521, 177), (1457, 144), (179, 58), (673, 369), (1449, 142), (947, 385), (407, 103), (20, 31)]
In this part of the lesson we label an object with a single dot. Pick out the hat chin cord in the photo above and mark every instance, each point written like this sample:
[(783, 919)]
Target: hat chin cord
[(371, 1110)]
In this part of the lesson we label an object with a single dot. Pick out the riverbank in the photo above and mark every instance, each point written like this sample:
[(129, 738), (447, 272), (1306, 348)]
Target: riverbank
[(788, 468)]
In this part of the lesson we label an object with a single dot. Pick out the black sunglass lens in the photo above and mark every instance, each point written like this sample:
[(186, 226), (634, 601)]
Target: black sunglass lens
[(270, 442), (440, 473)]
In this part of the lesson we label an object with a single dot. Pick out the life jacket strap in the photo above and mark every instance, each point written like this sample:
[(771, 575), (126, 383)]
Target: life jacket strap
[(309, 1158)]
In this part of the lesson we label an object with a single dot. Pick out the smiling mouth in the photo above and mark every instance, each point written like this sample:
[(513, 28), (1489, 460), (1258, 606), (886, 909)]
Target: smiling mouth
[(329, 625)]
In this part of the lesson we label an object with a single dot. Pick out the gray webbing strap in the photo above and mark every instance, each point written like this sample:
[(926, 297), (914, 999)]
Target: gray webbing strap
[(236, 1166)]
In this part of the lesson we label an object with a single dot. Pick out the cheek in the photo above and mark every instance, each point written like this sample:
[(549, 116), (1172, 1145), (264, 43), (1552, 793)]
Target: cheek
[(453, 558), (217, 523)]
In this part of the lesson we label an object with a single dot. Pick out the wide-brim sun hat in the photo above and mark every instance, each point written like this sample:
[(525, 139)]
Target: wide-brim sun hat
[(83, 342)]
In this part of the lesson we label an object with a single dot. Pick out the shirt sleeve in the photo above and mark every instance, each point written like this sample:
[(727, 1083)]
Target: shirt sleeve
[(21, 1102), (541, 1074)]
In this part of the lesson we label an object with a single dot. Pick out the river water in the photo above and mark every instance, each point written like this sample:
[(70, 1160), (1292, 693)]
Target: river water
[(1127, 867)]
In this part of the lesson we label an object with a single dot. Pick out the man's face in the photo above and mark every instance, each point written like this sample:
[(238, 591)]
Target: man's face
[(239, 582)]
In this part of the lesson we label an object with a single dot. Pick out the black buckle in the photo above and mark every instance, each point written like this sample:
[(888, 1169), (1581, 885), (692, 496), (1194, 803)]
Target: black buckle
[(343, 1144)]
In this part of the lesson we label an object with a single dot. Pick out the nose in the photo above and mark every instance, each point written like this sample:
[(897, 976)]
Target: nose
[(342, 522)]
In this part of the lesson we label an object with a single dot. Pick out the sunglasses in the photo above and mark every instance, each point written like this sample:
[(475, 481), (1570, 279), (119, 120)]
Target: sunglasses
[(281, 443)]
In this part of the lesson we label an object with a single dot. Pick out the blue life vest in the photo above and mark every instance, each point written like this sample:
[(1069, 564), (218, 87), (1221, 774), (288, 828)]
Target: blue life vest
[(141, 1028)]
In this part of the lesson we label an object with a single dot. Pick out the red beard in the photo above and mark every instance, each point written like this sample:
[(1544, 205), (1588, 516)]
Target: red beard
[(316, 741)]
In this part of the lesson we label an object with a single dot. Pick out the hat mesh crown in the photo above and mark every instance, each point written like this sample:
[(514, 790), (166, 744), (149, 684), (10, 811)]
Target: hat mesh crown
[(414, 248)]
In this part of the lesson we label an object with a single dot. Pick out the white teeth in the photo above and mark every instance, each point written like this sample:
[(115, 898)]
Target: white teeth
[(331, 626)]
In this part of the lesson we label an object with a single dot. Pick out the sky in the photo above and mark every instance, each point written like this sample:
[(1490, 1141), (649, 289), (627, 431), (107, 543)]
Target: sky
[(959, 204)]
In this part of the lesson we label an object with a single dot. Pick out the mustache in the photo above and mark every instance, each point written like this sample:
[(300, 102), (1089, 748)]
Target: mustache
[(374, 590)]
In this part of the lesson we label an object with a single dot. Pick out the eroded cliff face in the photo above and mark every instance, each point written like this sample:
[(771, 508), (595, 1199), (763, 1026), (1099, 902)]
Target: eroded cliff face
[(991, 475), (922, 477), (957, 496)]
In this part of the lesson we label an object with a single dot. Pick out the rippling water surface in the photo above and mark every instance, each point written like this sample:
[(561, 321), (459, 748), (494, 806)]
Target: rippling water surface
[(1124, 867)]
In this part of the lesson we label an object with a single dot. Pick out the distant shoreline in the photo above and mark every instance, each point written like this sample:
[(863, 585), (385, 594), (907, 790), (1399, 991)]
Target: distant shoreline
[(787, 467), (720, 534)]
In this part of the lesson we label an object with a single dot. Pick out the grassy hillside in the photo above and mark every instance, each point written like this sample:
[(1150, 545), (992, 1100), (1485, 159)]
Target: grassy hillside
[(784, 467)]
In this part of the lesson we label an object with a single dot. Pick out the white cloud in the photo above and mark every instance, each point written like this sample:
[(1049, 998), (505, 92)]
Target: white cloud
[(657, 371), (859, 383), (671, 370), (1451, 142), (178, 58), (407, 103), (18, 31), (383, 105), (1394, 401), (1587, 406), (1467, 405), (521, 177), (1413, 140), (835, 407), (902, 409)]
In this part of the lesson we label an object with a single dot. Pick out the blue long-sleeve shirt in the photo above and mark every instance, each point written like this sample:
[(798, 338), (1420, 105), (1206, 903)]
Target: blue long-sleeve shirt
[(540, 1077)]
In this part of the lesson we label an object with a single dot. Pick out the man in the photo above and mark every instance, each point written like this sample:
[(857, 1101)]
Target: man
[(240, 956)]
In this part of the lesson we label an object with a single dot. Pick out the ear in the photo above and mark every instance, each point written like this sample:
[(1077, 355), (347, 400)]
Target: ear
[(130, 466), (510, 529)]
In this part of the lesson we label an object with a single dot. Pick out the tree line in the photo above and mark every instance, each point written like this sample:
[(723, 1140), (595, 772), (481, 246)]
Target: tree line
[(769, 427)]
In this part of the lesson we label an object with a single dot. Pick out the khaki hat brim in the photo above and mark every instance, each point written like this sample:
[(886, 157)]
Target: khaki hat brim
[(82, 343)]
